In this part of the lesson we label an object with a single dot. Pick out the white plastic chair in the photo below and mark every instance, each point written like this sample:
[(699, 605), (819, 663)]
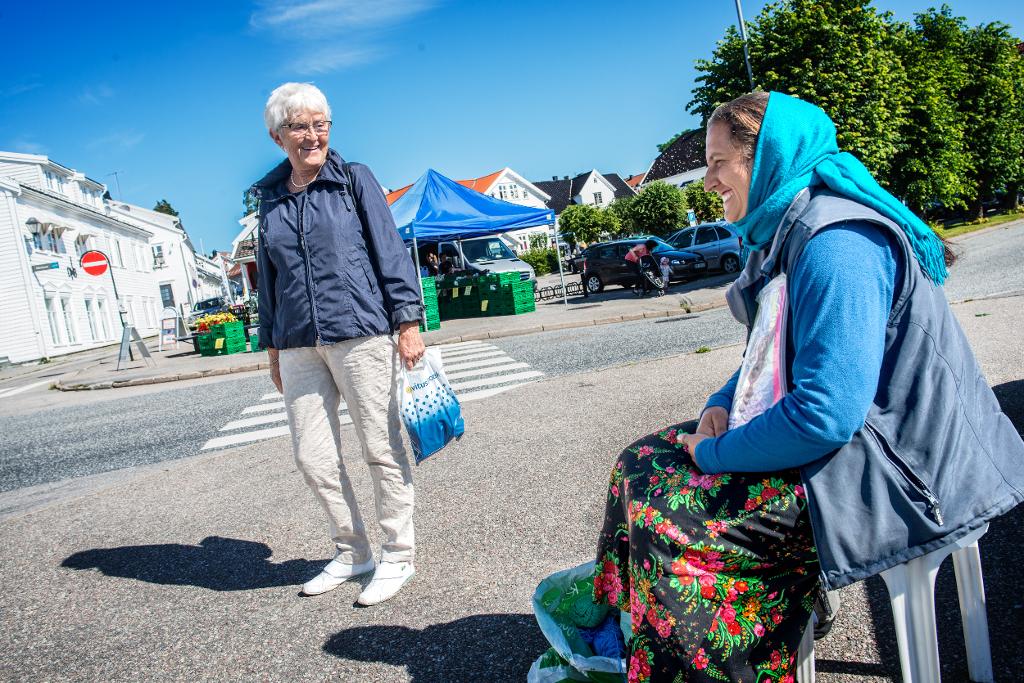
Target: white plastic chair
[(911, 587)]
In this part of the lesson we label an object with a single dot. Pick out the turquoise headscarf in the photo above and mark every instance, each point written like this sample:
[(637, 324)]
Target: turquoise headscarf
[(797, 148)]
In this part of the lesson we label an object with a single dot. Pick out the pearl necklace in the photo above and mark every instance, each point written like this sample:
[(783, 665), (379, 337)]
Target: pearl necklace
[(299, 187)]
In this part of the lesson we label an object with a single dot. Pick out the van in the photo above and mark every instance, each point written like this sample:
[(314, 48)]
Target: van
[(480, 255)]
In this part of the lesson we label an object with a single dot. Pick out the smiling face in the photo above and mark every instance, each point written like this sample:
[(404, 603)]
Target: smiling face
[(728, 172), (307, 150)]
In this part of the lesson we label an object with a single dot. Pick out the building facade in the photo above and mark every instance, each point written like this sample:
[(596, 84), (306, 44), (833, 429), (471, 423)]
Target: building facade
[(49, 216)]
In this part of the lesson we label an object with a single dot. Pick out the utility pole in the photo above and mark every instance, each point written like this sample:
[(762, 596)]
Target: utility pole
[(743, 35)]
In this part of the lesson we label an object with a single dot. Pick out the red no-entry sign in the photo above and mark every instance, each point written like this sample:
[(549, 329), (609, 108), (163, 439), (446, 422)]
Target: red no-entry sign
[(94, 262)]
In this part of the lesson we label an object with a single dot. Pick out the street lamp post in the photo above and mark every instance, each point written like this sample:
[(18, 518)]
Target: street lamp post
[(743, 35)]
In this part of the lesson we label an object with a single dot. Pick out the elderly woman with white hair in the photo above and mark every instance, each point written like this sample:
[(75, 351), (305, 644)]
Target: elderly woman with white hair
[(335, 285)]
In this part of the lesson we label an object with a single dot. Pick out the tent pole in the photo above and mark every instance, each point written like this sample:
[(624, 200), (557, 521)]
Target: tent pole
[(558, 256), (419, 278)]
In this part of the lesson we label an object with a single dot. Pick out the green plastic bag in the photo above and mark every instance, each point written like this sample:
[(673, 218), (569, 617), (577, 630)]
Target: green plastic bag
[(560, 603)]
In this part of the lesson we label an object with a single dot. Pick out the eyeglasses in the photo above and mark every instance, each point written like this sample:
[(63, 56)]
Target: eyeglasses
[(300, 129)]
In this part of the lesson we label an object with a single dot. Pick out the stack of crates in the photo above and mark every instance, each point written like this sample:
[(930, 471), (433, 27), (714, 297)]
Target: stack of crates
[(430, 308), (515, 295), (223, 339)]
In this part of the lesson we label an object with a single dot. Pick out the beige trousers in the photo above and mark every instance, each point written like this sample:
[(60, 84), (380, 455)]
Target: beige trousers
[(364, 373)]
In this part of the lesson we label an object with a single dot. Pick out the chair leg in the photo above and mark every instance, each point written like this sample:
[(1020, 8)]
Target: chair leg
[(970, 588), (911, 592), (805, 655)]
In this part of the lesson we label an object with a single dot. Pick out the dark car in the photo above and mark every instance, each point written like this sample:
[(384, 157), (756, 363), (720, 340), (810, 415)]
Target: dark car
[(717, 242), (605, 263)]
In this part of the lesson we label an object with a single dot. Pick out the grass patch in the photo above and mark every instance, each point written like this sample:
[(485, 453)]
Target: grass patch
[(964, 227), (703, 349)]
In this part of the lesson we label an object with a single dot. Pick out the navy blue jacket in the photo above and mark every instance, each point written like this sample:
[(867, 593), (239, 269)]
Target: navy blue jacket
[(331, 263)]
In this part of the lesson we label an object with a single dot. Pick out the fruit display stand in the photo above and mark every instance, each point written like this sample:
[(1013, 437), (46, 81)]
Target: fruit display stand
[(222, 339)]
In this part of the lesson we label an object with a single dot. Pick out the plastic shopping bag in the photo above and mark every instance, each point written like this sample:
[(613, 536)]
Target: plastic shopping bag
[(762, 381), (562, 604), (430, 410)]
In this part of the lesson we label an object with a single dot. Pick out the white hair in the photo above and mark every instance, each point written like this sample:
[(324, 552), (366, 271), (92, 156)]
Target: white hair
[(292, 98)]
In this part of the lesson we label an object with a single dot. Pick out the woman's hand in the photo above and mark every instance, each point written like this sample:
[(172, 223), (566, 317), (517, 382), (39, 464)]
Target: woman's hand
[(275, 369), (410, 344), (689, 442), (714, 421)]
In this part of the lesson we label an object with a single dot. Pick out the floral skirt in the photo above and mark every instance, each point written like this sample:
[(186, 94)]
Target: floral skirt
[(718, 571)]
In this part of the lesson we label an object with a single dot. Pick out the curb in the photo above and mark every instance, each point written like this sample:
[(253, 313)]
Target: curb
[(158, 379), (685, 309)]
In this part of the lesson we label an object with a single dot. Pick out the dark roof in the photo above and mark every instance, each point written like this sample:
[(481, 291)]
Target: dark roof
[(685, 154), (621, 188), (246, 248), (562, 191)]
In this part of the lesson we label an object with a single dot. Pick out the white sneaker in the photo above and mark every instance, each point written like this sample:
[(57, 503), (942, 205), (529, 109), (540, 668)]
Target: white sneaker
[(334, 574), (387, 581)]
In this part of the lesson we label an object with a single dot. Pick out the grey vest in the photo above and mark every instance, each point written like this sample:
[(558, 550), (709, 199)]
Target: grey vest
[(936, 457)]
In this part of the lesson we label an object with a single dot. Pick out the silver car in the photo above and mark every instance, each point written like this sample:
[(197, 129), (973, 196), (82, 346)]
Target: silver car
[(717, 242)]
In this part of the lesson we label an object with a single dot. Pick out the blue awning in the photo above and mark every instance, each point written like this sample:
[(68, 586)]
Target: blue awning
[(437, 209)]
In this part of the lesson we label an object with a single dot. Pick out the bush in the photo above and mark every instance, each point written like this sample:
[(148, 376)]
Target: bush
[(540, 260)]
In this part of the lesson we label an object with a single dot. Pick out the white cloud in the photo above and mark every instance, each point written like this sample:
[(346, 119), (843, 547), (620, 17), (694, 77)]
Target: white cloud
[(20, 88), (96, 93), (314, 29), (26, 145), (121, 140)]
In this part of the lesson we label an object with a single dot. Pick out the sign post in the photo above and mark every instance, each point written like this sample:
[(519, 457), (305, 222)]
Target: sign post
[(95, 262)]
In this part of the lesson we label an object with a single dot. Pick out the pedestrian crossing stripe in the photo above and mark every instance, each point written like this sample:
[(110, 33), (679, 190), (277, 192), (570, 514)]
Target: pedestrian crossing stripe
[(476, 370)]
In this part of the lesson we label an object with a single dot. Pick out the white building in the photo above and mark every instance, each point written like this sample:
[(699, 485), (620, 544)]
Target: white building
[(49, 216)]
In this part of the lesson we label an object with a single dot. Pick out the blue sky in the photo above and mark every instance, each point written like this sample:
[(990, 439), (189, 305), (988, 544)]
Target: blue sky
[(170, 95)]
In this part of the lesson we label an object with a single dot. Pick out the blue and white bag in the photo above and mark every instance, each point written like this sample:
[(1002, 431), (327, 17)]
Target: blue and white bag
[(430, 410)]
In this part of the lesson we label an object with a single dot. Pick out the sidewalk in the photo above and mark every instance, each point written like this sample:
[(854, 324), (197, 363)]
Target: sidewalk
[(611, 306)]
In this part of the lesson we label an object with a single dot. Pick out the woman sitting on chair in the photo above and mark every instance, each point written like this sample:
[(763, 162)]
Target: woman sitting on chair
[(872, 439)]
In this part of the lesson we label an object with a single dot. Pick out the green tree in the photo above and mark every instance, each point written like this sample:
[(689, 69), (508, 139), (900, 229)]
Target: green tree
[(164, 206), (586, 223), (538, 241), (706, 206), (840, 55), (622, 209), (932, 165), (993, 106), (659, 209), (249, 202)]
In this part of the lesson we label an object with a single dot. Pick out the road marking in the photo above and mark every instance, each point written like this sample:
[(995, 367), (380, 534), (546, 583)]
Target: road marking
[(18, 390), (492, 370), (486, 371)]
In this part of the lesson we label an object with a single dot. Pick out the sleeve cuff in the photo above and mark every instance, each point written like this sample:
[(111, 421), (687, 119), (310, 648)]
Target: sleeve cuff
[(718, 401), (705, 457), (407, 314)]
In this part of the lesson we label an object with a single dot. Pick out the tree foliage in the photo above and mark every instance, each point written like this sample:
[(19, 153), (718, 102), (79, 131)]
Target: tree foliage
[(932, 108), (622, 209), (164, 206), (706, 206), (659, 209), (586, 223)]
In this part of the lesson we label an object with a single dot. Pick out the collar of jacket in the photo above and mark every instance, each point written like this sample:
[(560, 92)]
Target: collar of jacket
[(273, 186)]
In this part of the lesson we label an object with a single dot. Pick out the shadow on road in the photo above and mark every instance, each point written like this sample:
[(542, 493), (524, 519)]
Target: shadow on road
[(219, 564), (485, 647)]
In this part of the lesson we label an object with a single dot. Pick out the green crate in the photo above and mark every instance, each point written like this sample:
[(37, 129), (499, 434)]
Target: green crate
[(226, 330)]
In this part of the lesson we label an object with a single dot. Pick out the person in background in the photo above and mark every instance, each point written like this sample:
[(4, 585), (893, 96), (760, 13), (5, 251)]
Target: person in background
[(336, 285), (876, 441), (666, 274), (432, 264), (642, 256)]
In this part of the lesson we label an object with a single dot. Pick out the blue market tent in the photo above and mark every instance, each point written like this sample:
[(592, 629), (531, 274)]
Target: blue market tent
[(437, 209)]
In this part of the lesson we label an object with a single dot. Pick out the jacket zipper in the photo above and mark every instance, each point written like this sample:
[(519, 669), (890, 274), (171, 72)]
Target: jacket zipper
[(907, 473), (309, 276)]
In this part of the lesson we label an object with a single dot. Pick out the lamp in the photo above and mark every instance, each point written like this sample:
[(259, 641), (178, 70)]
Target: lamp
[(33, 225)]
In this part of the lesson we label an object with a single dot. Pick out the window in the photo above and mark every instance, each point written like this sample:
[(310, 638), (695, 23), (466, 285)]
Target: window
[(90, 315), (597, 197), (706, 236), (158, 256), (29, 244), (129, 256), (69, 319), (56, 338), (167, 295), (723, 234), (106, 323), (685, 238), (116, 253), (129, 314), (81, 245)]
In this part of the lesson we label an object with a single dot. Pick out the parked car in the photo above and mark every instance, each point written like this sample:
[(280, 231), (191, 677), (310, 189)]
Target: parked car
[(605, 263), (483, 255), (215, 304), (717, 242)]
